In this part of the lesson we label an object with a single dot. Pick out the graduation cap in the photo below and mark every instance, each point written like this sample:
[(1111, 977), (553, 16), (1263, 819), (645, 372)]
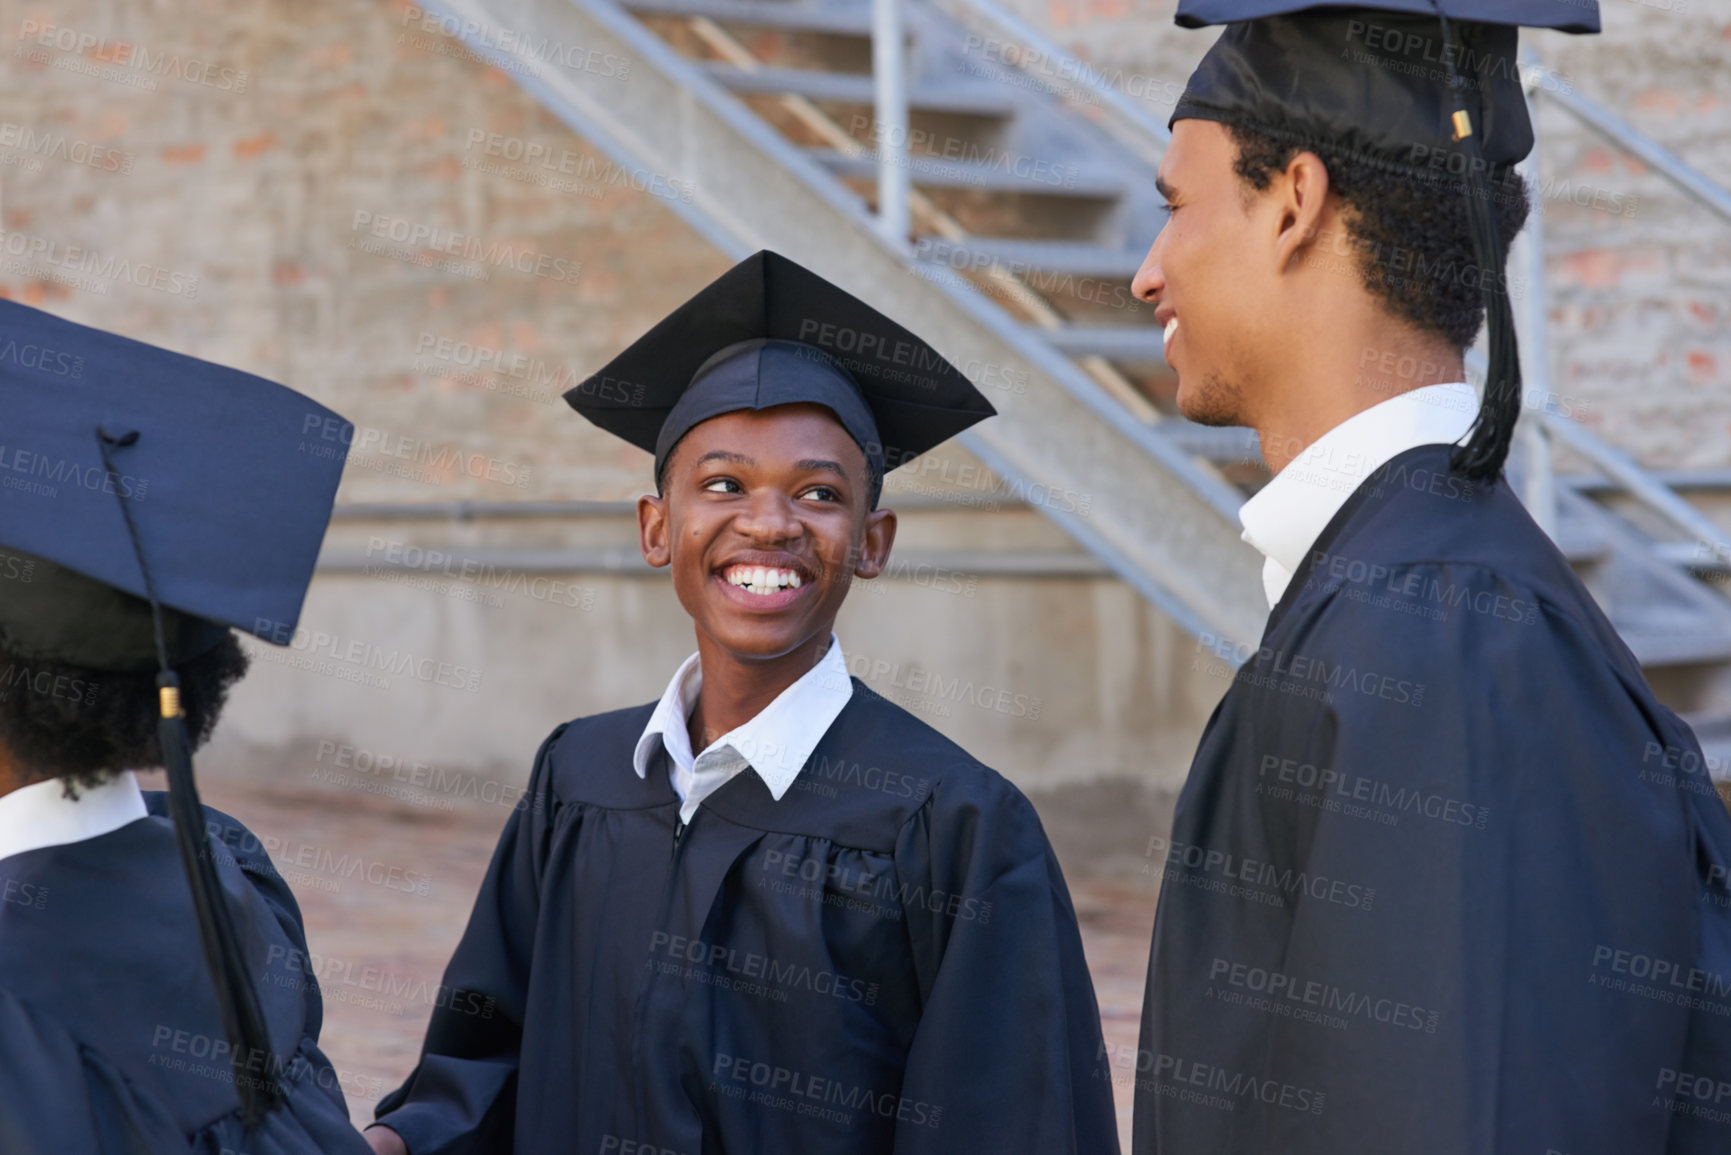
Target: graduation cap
[(148, 502), (1429, 88), (770, 332)]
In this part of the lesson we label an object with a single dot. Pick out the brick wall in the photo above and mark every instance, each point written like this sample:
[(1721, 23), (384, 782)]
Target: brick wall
[(279, 189)]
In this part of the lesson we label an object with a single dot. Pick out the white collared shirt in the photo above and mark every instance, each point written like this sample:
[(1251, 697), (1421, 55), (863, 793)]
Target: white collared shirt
[(775, 743), (40, 815), (1288, 514)]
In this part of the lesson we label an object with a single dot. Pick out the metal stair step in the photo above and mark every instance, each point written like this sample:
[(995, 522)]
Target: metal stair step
[(1070, 258), (1128, 344), (1691, 555), (1679, 645), (1715, 479), (832, 18), (997, 171), (966, 98), (1220, 444)]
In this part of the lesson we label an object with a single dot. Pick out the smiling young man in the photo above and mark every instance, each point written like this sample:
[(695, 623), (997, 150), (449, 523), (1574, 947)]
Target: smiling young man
[(1438, 827), (772, 913)]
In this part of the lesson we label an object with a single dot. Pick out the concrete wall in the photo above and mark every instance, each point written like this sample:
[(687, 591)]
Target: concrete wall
[(1073, 686)]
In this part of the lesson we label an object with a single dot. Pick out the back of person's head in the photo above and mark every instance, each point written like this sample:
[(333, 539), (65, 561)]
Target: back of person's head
[(59, 720)]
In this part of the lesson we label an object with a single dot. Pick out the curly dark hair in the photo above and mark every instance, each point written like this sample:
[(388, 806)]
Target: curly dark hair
[(1410, 231), (85, 726)]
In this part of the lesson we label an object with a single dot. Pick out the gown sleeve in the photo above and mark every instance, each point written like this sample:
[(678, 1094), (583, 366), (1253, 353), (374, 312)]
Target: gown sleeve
[(1474, 975), (461, 1097), (1009, 1034)]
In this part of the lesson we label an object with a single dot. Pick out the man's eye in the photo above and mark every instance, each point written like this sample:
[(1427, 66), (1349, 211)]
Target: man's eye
[(722, 485), (823, 493)]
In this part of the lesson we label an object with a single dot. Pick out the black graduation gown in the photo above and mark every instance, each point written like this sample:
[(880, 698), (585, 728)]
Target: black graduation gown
[(1472, 900), (110, 1037), (885, 960)]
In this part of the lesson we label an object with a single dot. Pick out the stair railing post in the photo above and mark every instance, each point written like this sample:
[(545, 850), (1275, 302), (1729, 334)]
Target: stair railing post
[(890, 93), (1539, 481)]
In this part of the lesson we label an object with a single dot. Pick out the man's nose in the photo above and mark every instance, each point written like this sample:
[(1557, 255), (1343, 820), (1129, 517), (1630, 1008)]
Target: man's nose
[(1150, 281)]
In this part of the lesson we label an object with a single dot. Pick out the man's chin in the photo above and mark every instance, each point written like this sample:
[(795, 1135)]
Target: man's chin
[(1212, 402), (764, 639)]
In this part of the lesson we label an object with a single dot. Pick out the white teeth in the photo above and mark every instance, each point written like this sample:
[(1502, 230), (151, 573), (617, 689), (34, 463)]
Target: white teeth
[(1171, 328), (762, 580)]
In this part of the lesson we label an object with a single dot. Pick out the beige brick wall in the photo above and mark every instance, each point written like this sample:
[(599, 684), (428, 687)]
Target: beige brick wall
[(336, 120)]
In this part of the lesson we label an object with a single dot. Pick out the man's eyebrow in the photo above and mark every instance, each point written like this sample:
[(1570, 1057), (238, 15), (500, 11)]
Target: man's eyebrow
[(726, 455), (1164, 189), (814, 463)]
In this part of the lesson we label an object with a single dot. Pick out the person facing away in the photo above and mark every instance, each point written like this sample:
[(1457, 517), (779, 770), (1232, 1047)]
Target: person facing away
[(143, 1001), (1438, 828), (772, 913)]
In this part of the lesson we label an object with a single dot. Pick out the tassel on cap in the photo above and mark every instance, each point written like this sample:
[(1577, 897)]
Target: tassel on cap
[(255, 1064), (1493, 431)]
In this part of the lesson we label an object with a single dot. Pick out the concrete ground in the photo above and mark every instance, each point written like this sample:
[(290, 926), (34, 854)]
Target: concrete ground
[(386, 882)]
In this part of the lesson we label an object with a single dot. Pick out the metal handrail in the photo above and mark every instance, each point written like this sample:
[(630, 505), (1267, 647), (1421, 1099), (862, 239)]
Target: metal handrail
[(1626, 472), (1083, 74), (1661, 160), (1640, 484)]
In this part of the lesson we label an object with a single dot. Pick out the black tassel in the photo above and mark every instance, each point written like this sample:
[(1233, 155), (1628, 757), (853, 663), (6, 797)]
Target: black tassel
[(1482, 457), (254, 1064), (1493, 431)]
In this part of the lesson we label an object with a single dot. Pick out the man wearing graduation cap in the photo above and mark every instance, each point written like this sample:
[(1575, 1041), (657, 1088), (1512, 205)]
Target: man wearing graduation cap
[(148, 503), (1441, 878), (772, 912)]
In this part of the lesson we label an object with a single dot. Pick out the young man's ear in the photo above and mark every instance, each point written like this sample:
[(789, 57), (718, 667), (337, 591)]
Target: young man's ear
[(1302, 195), (875, 543), (652, 530)]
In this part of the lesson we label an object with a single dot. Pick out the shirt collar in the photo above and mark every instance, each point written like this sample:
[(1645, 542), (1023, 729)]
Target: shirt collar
[(1288, 514), (40, 815), (776, 743)]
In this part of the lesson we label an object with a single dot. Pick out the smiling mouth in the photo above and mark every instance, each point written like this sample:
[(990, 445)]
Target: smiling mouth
[(1171, 328), (762, 581)]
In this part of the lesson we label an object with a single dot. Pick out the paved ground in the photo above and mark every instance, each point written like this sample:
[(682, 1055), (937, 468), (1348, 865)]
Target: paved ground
[(386, 883)]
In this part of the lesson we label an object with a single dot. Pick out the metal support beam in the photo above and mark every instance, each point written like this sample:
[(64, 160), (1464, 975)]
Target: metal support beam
[(1539, 487), (889, 74)]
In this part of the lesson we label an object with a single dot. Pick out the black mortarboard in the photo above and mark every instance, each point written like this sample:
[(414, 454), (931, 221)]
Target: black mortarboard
[(771, 332), (149, 501), (1430, 88)]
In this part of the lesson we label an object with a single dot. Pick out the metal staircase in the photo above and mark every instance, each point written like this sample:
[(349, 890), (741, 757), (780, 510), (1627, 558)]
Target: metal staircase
[(1029, 195)]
